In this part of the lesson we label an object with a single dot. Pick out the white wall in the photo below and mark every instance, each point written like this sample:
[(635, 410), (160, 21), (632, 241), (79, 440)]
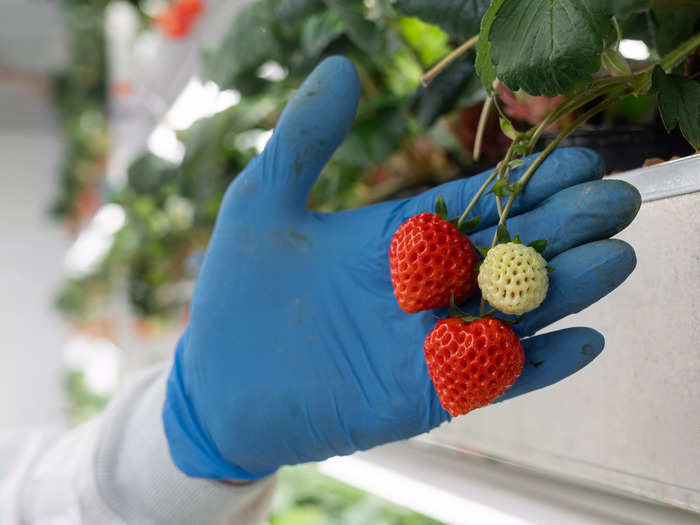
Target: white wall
[(31, 253)]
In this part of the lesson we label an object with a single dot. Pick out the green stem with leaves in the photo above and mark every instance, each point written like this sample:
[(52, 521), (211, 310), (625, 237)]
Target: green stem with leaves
[(477, 196), (615, 88), (679, 54), (553, 145)]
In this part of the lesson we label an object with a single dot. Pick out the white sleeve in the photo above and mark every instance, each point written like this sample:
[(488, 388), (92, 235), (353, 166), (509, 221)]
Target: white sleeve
[(117, 470)]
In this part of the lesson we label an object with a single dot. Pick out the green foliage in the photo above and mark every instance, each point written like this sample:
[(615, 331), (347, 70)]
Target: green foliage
[(264, 30), (614, 63), (428, 40), (460, 18), (368, 35), (503, 188), (622, 8), (306, 497), (447, 91), (679, 103), (540, 245), (80, 93), (502, 234), (672, 26), (84, 404), (548, 47), (441, 207), (469, 225), (484, 63)]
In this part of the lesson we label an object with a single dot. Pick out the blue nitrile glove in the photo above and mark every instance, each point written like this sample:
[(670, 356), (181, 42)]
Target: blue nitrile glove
[(297, 349)]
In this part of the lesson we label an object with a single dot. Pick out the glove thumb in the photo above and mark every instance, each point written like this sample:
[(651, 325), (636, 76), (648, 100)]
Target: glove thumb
[(314, 123)]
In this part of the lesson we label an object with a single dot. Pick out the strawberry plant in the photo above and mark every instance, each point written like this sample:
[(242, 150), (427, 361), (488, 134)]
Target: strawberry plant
[(543, 47), (406, 137)]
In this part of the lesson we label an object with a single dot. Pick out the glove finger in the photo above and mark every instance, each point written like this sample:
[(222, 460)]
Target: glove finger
[(312, 126), (551, 357), (574, 216), (563, 168), (582, 276)]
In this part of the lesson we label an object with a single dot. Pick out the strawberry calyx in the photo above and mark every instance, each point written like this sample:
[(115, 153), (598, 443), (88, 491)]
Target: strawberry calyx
[(464, 227), (456, 311)]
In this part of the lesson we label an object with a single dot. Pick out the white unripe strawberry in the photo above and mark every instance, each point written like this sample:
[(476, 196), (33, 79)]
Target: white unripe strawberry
[(513, 278)]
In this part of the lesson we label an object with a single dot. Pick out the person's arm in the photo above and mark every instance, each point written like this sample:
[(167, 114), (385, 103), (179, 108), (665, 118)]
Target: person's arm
[(117, 469)]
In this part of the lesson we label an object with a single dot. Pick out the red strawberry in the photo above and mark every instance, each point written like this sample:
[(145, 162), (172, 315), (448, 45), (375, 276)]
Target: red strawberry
[(431, 261), (471, 364), (189, 9)]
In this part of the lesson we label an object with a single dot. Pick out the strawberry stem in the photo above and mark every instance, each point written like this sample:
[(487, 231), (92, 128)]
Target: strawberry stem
[(481, 128), (552, 146), (435, 71), (476, 197), (615, 87), (679, 54)]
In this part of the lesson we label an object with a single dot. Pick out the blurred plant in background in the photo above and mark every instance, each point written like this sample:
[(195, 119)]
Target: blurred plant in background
[(270, 48), (81, 98), (306, 497), (406, 137)]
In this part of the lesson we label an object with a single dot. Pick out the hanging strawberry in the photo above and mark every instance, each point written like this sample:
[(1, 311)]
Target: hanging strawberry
[(178, 20)]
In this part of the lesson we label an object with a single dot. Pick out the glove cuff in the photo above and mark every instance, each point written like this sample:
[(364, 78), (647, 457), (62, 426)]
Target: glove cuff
[(191, 448)]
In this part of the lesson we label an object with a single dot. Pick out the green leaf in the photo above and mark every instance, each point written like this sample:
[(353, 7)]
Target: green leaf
[(377, 132), (147, 173), (428, 40), (503, 188), (460, 18), (484, 65), (517, 239), (622, 8), (508, 129), (548, 47), (483, 250), (515, 163), (441, 208), (319, 31), (470, 225), (286, 10), (550, 269), (679, 103), (500, 188), (521, 149), (539, 245), (365, 34), (614, 63), (247, 45), (502, 234), (674, 26)]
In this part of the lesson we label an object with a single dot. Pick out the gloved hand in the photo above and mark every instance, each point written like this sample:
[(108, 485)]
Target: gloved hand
[(297, 349)]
